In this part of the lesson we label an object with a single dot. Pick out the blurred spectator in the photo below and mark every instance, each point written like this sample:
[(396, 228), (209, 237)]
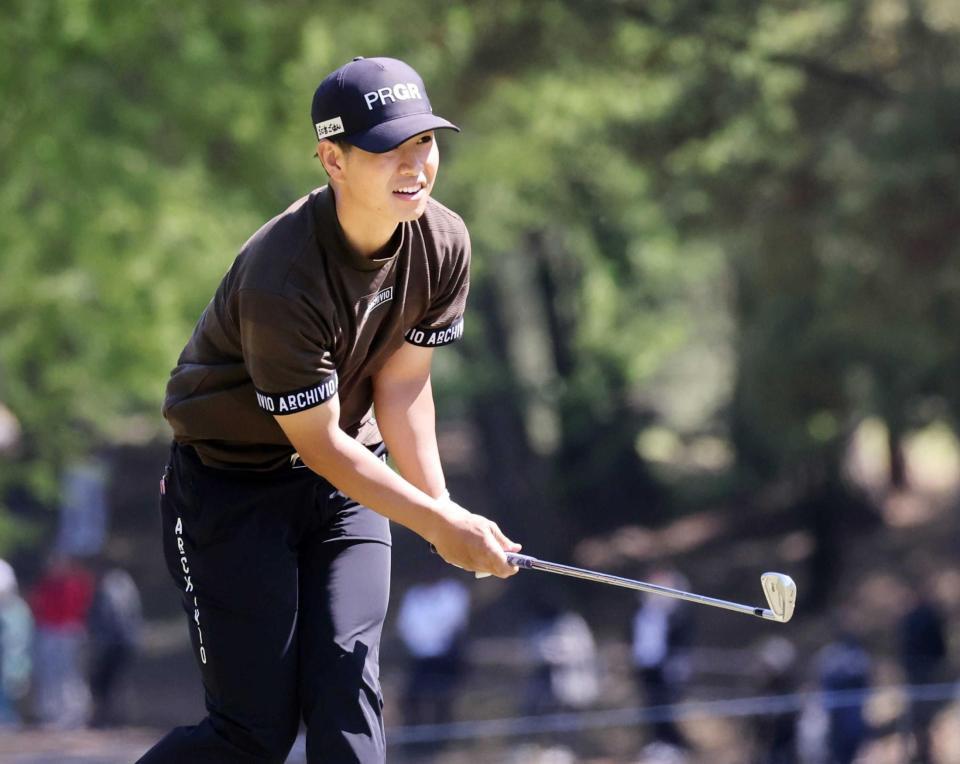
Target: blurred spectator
[(662, 634), (114, 624), (923, 652), (812, 724), (776, 731), (844, 673), (16, 636), (566, 672), (10, 430), (432, 622), (60, 601)]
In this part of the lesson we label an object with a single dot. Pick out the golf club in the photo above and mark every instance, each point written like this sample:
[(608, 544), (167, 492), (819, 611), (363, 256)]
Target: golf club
[(779, 589)]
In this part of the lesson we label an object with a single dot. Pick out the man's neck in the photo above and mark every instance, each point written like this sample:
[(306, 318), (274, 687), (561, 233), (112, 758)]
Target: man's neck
[(364, 232)]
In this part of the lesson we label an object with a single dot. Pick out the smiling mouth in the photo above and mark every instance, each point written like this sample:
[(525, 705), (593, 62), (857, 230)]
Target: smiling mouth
[(411, 191)]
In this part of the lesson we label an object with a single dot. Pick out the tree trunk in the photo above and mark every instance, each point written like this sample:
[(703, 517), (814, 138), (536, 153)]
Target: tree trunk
[(513, 473), (896, 456)]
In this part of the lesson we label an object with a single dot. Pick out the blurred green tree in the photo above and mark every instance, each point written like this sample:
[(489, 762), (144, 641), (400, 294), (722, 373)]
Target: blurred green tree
[(763, 188)]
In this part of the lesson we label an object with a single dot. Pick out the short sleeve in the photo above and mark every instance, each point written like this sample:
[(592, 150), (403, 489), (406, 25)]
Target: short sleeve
[(288, 352), (443, 322)]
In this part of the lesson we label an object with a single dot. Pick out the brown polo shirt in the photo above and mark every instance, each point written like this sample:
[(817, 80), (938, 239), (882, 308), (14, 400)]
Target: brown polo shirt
[(299, 317)]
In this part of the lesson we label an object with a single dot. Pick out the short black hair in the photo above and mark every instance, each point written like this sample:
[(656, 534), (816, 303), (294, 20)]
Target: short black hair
[(341, 141)]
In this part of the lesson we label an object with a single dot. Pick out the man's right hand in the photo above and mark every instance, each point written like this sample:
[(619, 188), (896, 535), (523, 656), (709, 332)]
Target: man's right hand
[(472, 542), (462, 538)]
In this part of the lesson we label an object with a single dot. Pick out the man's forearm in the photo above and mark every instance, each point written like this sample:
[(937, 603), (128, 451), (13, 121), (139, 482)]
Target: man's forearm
[(355, 471), (407, 421), (462, 538)]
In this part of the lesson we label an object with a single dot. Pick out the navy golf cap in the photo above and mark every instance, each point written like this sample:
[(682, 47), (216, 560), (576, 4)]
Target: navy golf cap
[(375, 104)]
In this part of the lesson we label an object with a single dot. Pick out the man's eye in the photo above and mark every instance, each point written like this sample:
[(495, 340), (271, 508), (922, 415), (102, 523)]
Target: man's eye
[(425, 139)]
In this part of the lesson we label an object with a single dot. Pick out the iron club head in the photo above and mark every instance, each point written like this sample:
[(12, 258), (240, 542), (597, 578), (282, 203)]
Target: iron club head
[(781, 594)]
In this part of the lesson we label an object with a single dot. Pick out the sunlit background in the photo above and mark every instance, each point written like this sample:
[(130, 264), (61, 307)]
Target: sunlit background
[(712, 331)]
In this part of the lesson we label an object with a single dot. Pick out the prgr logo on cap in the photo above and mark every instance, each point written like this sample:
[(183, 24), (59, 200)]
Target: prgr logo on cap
[(399, 92)]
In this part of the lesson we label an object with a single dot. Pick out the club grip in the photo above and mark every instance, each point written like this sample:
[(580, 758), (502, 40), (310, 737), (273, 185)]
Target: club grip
[(519, 560)]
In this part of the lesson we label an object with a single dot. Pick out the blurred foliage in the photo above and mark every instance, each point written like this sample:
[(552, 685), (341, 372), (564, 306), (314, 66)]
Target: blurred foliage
[(760, 195)]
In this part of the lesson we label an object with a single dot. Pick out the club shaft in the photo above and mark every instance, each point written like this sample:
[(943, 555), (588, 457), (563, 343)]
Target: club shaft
[(532, 563)]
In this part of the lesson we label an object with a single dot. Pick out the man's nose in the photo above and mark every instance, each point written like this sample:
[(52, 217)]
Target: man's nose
[(413, 160), (411, 164)]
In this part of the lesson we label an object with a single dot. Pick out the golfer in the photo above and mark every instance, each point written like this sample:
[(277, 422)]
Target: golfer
[(277, 499)]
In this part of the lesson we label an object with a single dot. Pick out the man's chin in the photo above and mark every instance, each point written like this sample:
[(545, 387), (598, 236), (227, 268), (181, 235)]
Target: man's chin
[(414, 213)]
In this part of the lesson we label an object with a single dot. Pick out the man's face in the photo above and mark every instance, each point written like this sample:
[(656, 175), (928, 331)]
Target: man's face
[(395, 185)]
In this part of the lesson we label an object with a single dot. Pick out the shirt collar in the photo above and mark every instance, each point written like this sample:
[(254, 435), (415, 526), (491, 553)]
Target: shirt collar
[(332, 238)]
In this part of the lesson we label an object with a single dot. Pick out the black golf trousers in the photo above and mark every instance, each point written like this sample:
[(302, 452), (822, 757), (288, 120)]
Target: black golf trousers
[(285, 583)]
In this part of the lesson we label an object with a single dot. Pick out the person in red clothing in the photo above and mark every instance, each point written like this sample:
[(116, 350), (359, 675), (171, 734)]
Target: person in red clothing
[(60, 600)]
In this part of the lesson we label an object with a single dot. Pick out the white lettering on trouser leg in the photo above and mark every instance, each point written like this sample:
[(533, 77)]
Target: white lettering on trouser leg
[(188, 586), (196, 620)]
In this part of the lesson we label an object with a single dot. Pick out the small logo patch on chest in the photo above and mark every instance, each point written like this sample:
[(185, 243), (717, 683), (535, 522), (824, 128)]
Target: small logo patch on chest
[(384, 295)]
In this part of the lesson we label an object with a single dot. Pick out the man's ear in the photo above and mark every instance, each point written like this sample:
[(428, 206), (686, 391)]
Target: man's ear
[(331, 157)]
